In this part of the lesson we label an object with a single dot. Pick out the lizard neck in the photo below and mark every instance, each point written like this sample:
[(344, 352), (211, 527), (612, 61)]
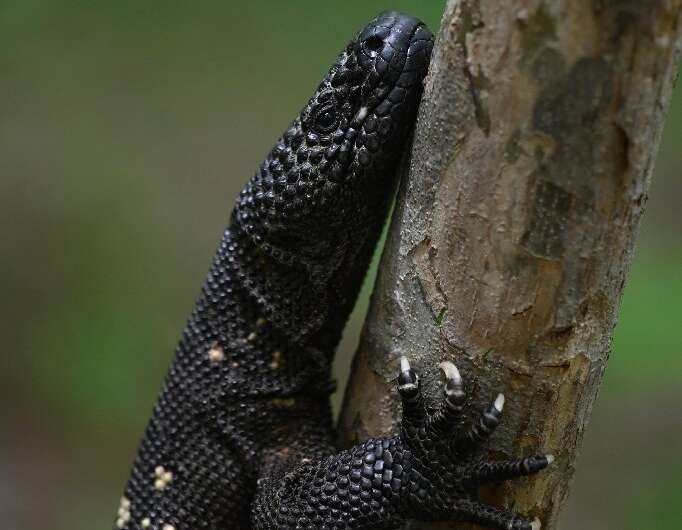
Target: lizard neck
[(307, 302)]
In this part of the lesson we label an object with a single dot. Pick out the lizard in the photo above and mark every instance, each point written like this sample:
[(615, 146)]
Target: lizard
[(242, 436)]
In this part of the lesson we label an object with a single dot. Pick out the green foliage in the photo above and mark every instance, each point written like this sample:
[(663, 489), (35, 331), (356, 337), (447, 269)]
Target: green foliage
[(647, 347)]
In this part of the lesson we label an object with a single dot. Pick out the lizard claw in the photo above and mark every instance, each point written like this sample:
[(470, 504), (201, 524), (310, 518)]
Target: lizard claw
[(443, 446)]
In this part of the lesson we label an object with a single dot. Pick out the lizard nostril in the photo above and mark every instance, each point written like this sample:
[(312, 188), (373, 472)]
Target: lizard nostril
[(374, 43)]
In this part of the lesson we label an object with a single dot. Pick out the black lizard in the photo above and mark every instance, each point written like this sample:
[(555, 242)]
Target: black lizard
[(242, 435)]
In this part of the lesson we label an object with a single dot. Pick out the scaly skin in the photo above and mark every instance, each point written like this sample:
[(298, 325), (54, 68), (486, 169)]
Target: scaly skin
[(242, 437)]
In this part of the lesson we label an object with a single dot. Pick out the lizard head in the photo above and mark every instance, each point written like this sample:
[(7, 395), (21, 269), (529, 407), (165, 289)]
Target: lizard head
[(337, 161), (320, 198)]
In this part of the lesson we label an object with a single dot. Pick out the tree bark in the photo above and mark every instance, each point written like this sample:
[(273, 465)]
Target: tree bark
[(514, 229)]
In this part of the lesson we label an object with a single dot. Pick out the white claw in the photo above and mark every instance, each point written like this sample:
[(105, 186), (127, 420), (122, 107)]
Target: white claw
[(499, 402), (451, 372), (535, 524), (404, 364), (550, 459)]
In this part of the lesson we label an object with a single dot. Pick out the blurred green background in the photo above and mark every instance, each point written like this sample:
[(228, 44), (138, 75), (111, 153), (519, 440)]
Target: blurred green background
[(126, 129)]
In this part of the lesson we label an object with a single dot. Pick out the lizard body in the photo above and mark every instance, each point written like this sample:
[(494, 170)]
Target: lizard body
[(242, 436)]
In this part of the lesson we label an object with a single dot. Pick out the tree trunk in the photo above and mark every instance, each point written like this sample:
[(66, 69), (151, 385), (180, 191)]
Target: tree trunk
[(514, 230)]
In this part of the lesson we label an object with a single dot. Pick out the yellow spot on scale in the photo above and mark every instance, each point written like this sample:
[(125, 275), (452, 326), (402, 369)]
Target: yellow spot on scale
[(276, 360), (163, 478), (216, 354), (123, 514)]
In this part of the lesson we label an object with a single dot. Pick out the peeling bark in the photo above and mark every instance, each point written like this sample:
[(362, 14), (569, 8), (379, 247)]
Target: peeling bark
[(514, 230)]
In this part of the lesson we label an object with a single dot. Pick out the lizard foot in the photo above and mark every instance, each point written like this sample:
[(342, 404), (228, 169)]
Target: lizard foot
[(446, 474)]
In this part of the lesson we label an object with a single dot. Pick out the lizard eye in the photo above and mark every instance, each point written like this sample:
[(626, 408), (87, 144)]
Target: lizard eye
[(326, 120)]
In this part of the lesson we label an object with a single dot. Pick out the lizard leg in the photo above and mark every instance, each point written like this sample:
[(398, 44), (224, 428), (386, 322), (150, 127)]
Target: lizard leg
[(414, 410), (446, 472), (451, 408), (383, 482), (482, 428), (487, 472)]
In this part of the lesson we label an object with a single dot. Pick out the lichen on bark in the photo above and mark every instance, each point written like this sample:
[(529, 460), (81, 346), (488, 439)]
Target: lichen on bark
[(515, 226)]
